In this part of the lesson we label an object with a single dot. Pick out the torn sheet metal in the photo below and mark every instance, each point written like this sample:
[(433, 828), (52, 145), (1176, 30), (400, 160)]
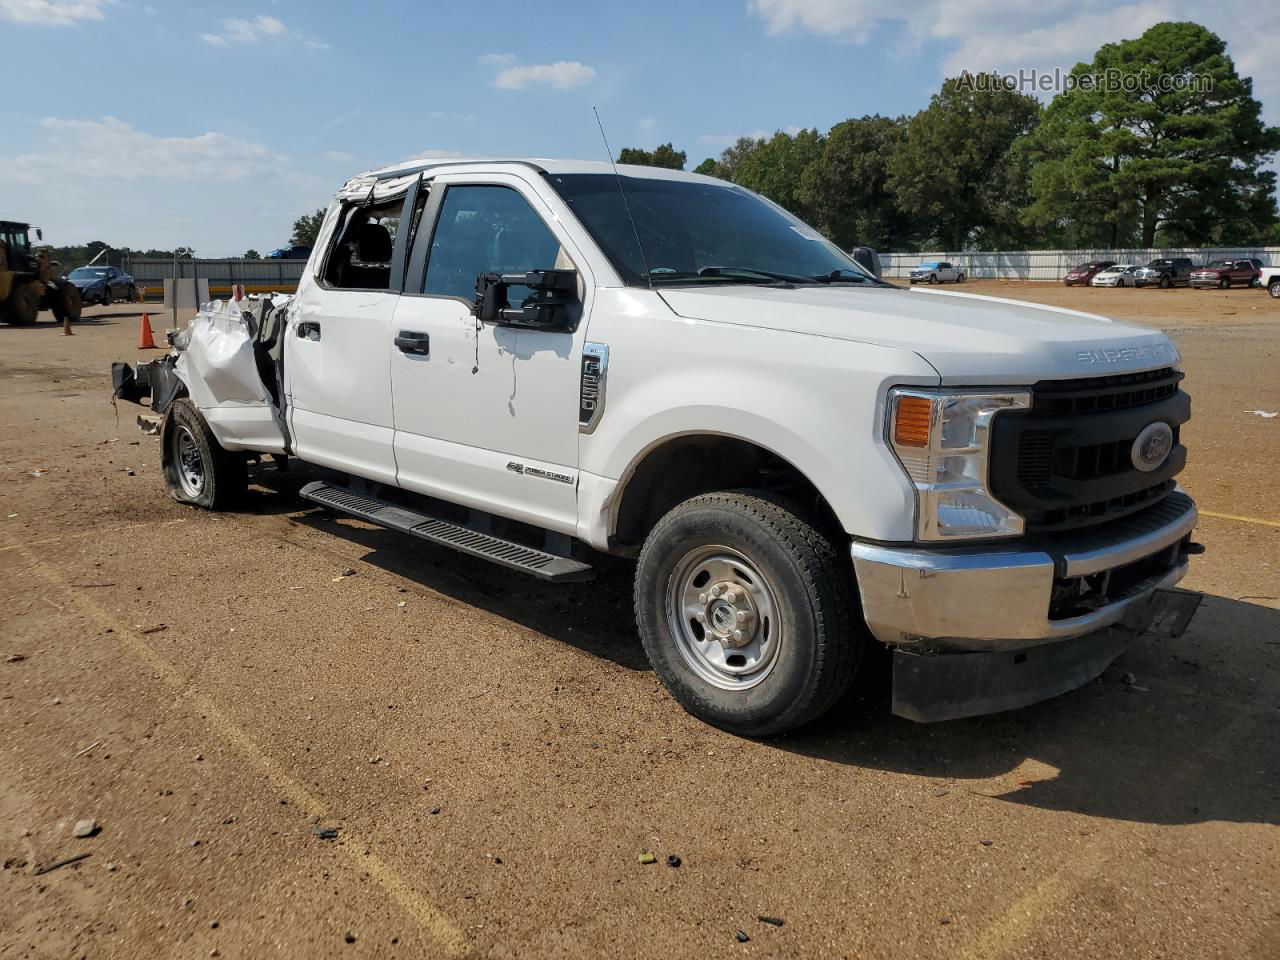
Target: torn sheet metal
[(218, 363)]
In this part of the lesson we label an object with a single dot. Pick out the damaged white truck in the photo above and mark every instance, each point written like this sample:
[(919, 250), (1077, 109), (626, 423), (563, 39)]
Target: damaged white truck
[(536, 361)]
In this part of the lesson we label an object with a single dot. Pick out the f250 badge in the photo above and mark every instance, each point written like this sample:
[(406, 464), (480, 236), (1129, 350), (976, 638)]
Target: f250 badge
[(521, 469)]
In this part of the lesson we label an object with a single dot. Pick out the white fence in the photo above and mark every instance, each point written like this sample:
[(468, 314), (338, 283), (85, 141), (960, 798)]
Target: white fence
[(257, 276), (1054, 264)]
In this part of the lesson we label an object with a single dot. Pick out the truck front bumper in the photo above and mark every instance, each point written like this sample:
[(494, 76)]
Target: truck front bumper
[(1063, 607)]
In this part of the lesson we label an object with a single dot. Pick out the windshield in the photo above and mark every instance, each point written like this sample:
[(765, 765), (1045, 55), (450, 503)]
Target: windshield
[(695, 232), (925, 264), (1217, 265), (88, 273)]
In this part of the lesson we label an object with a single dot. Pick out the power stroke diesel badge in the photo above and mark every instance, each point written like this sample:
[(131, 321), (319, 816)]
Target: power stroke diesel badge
[(1151, 447)]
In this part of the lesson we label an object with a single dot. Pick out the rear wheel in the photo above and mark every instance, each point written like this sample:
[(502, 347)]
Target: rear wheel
[(197, 470), (133, 294), (106, 297), (959, 278), (1274, 289), (23, 306), (747, 612)]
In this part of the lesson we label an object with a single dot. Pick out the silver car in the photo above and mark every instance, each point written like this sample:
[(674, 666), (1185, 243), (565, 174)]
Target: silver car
[(936, 271), (1121, 275)]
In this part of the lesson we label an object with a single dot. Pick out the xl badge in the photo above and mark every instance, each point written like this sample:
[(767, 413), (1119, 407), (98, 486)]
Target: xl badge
[(1152, 446)]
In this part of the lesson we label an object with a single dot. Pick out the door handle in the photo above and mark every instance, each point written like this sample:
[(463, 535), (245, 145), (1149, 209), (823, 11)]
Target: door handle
[(411, 341), (309, 330)]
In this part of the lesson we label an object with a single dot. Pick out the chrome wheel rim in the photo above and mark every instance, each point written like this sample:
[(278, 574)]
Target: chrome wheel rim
[(189, 462), (723, 614)]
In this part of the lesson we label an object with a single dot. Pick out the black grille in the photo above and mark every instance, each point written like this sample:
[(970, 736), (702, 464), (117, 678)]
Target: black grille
[(1067, 462)]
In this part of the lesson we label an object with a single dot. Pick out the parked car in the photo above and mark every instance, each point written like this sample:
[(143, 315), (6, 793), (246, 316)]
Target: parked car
[(1269, 279), (1227, 273), (1164, 272), (103, 284), (1116, 275), (296, 252), (936, 271), (799, 458), (1086, 272)]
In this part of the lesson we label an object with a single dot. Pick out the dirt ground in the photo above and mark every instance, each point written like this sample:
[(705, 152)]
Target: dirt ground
[(495, 755)]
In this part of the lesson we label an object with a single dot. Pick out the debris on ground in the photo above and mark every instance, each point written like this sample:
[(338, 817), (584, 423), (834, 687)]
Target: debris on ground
[(771, 921), (349, 937), (96, 743), (64, 862), (647, 858), (15, 658), (741, 936), (85, 828), (986, 843), (325, 832), (673, 860), (1266, 415), (1128, 679), (150, 427)]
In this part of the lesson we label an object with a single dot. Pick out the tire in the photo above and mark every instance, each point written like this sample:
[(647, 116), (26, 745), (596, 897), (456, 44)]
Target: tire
[(133, 294), (1224, 284), (1165, 283), (959, 278), (66, 304), (106, 297), (23, 306), (933, 278), (782, 577), (197, 470), (1274, 289)]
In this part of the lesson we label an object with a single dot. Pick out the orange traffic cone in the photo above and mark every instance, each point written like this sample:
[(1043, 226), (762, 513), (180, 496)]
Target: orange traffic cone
[(145, 340)]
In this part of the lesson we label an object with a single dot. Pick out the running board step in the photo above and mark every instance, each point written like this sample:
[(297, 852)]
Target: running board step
[(514, 555)]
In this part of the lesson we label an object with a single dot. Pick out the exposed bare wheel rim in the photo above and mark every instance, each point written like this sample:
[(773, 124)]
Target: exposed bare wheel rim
[(188, 462), (724, 616)]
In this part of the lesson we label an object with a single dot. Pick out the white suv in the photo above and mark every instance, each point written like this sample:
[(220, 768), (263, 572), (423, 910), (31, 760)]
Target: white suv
[(538, 361)]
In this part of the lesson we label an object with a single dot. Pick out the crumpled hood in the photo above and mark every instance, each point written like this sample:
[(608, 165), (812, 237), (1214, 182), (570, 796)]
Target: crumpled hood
[(967, 338)]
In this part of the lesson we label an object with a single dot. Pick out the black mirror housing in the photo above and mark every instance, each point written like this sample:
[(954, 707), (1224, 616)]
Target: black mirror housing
[(553, 305)]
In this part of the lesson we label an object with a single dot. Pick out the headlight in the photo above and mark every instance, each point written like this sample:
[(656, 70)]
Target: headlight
[(942, 438)]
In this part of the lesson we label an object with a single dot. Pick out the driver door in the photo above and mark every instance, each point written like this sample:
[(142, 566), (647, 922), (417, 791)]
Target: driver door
[(486, 415)]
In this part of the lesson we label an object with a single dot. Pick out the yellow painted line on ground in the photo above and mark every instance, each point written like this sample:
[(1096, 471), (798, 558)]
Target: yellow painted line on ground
[(430, 919), (1231, 516)]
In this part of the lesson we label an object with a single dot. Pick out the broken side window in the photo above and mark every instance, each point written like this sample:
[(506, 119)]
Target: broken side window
[(360, 256)]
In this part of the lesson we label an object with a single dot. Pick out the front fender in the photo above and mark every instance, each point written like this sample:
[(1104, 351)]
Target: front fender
[(816, 402)]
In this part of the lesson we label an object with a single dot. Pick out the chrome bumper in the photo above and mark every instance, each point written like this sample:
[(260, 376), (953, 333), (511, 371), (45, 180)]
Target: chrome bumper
[(998, 598)]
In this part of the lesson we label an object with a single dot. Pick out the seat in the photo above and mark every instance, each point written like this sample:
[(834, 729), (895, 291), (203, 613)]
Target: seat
[(368, 258)]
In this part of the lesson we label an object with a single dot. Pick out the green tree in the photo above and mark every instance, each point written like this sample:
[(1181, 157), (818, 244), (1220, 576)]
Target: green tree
[(306, 229), (251, 254), (663, 155), (1133, 158), (776, 167), (951, 170), (708, 167), (844, 187)]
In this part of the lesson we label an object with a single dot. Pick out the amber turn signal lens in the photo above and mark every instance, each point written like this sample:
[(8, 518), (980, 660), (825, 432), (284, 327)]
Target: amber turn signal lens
[(912, 421)]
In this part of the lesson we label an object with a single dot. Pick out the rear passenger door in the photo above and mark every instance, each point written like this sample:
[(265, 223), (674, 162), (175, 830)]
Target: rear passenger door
[(338, 351), (487, 415)]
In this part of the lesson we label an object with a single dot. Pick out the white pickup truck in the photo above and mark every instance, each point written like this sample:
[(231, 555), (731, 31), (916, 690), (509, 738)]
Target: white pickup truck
[(535, 361)]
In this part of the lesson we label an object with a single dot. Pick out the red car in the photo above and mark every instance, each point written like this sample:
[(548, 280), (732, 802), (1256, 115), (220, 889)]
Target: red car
[(1086, 272), (1227, 273)]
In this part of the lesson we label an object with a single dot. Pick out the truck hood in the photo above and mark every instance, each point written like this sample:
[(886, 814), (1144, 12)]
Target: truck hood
[(968, 339)]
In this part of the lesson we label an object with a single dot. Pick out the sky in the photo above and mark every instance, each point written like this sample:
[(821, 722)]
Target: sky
[(214, 125)]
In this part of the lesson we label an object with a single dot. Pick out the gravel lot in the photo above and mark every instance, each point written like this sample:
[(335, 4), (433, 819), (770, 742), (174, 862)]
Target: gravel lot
[(495, 754)]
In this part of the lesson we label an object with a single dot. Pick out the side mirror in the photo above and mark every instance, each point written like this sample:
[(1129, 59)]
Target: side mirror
[(552, 305), (868, 259), (39, 234)]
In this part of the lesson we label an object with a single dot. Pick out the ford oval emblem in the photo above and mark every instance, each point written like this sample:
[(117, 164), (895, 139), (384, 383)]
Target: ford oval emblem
[(1152, 446)]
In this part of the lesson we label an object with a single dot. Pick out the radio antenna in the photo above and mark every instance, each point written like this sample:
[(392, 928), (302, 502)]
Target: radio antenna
[(627, 206)]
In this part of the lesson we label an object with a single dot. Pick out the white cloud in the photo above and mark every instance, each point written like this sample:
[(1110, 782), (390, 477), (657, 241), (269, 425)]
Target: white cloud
[(110, 149), (52, 13), (561, 75), (107, 179), (241, 32), (434, 155), (1008, 35), (729, 139)]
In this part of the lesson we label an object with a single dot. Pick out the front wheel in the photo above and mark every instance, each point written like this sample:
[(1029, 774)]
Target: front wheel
[(747, 612), (933, 278), (197, 470), (66, 304), (1165, 283), (1224, 283), (1274, 289), (23, 306)]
